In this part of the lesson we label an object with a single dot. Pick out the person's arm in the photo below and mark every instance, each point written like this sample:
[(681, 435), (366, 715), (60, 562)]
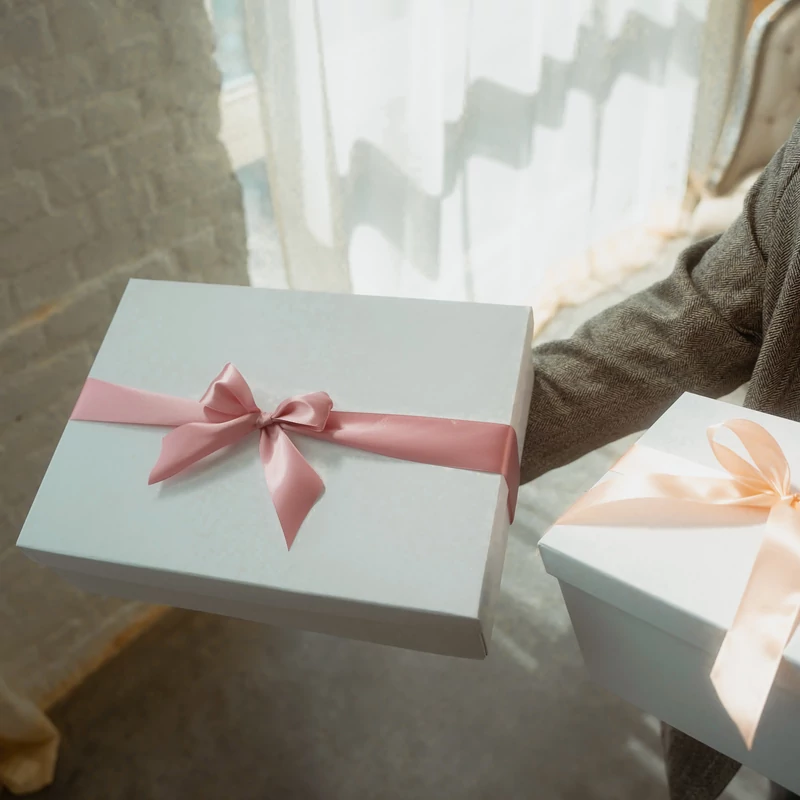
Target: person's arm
[(699, 331)]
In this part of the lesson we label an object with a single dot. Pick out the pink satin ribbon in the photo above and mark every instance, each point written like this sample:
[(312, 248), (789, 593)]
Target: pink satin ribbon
[(641, 492), (227, 412)]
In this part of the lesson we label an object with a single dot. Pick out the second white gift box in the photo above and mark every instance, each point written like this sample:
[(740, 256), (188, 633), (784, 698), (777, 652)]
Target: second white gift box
[(651, 603), (397, 552)]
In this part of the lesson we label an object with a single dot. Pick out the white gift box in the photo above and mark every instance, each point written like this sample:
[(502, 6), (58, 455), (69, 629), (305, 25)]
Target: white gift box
[(651, 605), (395, 552)]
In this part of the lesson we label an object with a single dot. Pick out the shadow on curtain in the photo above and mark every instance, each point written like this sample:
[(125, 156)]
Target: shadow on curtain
[(519, 151)]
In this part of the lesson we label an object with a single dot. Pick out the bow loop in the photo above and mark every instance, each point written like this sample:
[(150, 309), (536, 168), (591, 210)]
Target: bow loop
[(769, 474), (228, 396), (306, 411)]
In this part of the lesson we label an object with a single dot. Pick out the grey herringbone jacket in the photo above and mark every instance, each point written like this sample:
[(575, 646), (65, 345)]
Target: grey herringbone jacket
[(728, 314)]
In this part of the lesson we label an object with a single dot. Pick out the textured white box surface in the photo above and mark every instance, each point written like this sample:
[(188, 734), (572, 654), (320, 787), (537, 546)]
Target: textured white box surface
[(669, 678), (390, 542)]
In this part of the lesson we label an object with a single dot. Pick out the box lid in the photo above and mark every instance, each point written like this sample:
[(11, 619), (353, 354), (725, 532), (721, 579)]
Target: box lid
[(386, 534), (686, 581)]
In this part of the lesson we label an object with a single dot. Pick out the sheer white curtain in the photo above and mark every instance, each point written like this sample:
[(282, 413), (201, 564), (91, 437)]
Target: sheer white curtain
[(495, 150)]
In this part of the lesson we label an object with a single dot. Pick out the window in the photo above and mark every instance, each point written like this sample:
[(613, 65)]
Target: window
[(243, 137), (231, 52)]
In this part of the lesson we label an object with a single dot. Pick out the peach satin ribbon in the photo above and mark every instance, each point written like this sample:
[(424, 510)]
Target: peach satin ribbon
[(751, 652), (227, 412)]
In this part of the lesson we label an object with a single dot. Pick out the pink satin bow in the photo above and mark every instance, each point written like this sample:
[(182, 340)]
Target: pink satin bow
[(227, 413), (751, 652)]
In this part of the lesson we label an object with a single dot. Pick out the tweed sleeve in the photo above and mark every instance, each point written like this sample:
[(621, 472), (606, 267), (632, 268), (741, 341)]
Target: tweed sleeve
[(699, 331)]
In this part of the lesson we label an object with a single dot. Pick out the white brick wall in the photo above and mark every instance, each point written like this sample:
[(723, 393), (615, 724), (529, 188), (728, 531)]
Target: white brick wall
[(110, 167)]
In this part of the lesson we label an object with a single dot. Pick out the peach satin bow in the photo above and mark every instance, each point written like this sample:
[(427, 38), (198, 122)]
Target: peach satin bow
[(751, 652)]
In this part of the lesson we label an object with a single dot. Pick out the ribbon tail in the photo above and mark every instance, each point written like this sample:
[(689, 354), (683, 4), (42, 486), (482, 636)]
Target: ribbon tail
[(752, 650), (189, 443), (458, 444), (292, 482), (101, 401), (649, 488)]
